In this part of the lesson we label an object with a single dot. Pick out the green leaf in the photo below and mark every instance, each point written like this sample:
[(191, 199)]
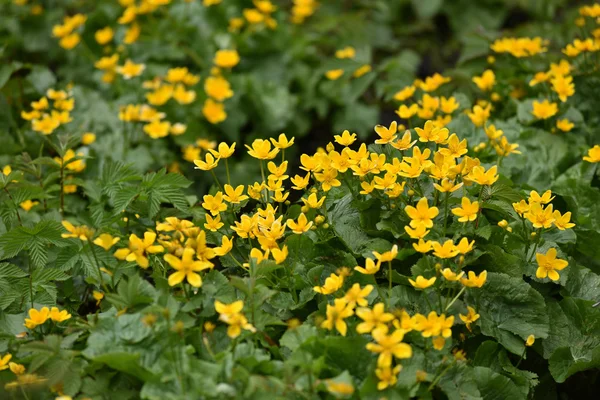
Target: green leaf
[(427, 8), (345, 221), (494, 386), (573, 344), (510, 310)]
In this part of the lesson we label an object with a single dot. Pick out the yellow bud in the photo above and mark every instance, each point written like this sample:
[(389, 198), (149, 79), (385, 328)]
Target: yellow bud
[(503, 224), (313, 228), (491, 59), (461, 259), (287, 202), (410, 193), (438, 266), (304, 209), (319, 219), (421, 376), (149, 319), (313, 190), (325, 226), (533, 234), (178, 327), (509, 229), (393, 206)]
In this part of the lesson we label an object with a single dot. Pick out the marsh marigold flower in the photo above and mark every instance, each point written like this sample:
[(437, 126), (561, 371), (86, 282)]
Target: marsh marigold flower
[(548, 264), (336, 314)]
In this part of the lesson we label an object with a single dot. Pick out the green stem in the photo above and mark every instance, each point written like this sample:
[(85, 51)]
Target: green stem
[(522, 356), (227, 170), (437, 378), (455, 298), (390, 282), (98, 266), (262, 174), (216, 180), (446, 213)]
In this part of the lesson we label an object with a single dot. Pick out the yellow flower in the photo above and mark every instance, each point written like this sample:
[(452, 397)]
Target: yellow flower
[(213, 224), (46, 125), (138, 249), (448, 186), (548, 264), (479, 115), (370, 267), (59, 316), (345, 139), (564, 125), (157, 129), (346, 52), (464, 246), (486, 81), (261, 149), (98, 296), (482, 177), (388, 255), (362, 70), (4, 361), (405, 93), (106, 241), (357, 295), (186, 268), (232, 316), (17, 369), (28, 204), (387, 376), (545, 198), (544, 109), (417, 233), (376, 318), (328, 179), (214, 112), (301, 226), (334, 74), (562, 222), (336, 314), (88, 138), (282, 142), (563, 86), (223, 151), (386, 135), (422, 283), (473, 280), (214, 204), (433, 82), (540, 217), (468, 210), (226, 58), (331, 285), (279, 255), (218, 88), (70, 41), (130, 69), (37, 317), (530, 340), (423, 246), (234, 195), (450, 275), (104, 35), (339, 388), (81, 232), (422, 214), (593, 155), (389, 345), (471, 317), (209, 163), (183, 96)]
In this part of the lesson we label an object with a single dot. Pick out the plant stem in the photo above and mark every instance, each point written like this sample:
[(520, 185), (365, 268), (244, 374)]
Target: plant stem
[(216, 180), (62, 186), (390, 281), (15, 204), (227, 170), (455, 298), (98, 266), (446, 213), (437, 378)]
